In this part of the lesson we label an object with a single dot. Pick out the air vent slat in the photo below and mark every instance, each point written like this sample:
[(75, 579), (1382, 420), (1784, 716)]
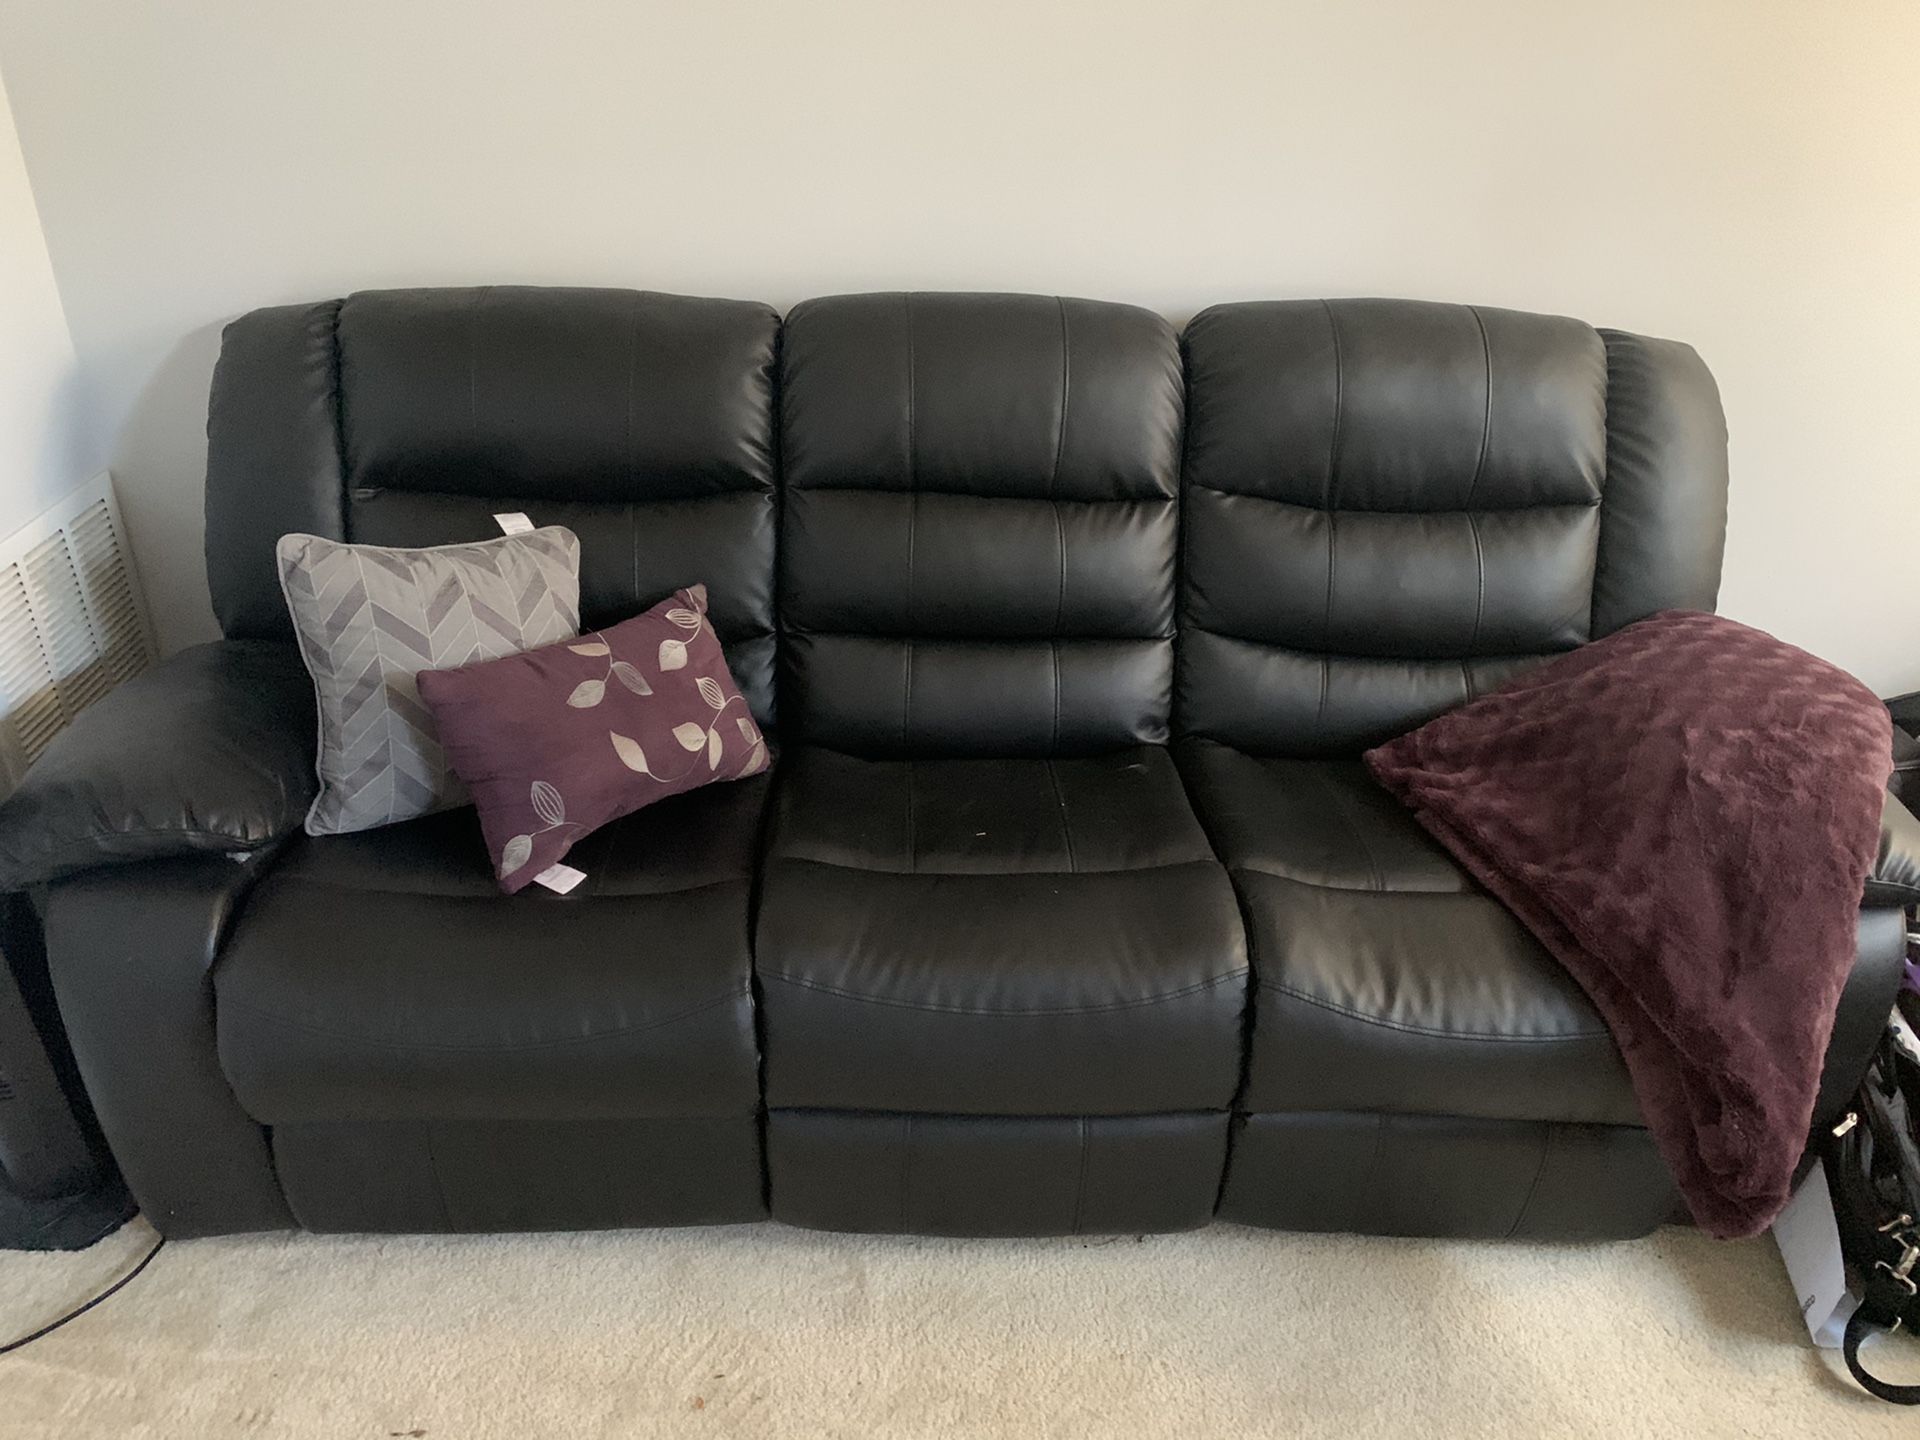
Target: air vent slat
[(72, 625)]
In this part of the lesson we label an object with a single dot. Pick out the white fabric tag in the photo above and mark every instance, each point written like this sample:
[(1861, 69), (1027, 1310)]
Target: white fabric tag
[(559, 878), (1809, 1241), (513, 523)]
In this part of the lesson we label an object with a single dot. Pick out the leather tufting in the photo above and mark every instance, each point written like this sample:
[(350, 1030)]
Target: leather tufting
[(1396, 406), (554, 393), (981, 523), (1393, 505), (642, 422)]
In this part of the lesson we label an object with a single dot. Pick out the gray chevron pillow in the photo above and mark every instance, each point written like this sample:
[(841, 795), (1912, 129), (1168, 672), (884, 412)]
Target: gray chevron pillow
[(370, 618)]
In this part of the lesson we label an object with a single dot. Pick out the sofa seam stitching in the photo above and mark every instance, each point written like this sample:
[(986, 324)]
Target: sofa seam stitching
[(633, 369), (1486, 419), (1333, 559), (1183, 992), (1262, 499), (473, 361), (1367, 1186), (1374, 873), (698, 497), (1066, 823), (1307, 653), (906, 1167), (913, 838), (1329, 499), (1209, 861), (1037, 640), (1053, 503), (1053, 654), (1607, 449), (633, 464), (1312, 883), (1060, 436), (1480, 583), (1080, 1185), (888, 485), (290, 877), (913, 519), (1330, 494), (441, 1047), (1473, 525), (1304, 998), (1526, 1204), (224, 842), (433, 1169)]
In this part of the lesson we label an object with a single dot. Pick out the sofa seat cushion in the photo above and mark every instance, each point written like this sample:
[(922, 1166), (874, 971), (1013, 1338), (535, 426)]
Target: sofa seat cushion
[(1386, 979), (1018, 937), (382, 976)]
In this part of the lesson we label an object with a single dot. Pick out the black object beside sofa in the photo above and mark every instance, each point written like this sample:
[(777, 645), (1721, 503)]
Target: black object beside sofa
[(58, 1186), (1069, 907)]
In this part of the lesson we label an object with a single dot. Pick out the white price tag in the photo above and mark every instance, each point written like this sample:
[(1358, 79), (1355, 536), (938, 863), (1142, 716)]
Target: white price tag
[(559, 878), (513, 523)]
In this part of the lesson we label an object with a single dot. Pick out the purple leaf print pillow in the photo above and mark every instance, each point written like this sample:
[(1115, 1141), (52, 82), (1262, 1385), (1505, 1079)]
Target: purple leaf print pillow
[(554, 743)]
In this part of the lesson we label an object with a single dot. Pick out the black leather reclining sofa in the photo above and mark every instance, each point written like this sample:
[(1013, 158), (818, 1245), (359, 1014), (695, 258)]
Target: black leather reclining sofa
[(1069, 906)]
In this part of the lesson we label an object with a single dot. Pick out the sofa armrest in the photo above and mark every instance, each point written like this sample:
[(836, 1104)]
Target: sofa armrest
[(211, 751), (1894, 878)]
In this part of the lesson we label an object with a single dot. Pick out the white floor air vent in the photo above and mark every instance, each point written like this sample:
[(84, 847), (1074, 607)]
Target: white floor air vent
[(72, 623)]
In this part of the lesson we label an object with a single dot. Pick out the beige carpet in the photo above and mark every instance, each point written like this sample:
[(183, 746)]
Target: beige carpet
[(769, 1332)]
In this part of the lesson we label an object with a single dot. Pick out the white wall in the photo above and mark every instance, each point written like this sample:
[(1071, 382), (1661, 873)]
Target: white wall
[(40, 414), (1743, 174)]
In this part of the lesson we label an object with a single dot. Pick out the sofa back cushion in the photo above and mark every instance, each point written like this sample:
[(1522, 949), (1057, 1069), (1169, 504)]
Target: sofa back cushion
[(1392, 506), (981, 524), (642, 422)]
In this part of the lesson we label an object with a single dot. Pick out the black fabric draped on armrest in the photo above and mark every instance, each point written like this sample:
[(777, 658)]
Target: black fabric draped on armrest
[(1895, 876), (210, 751)]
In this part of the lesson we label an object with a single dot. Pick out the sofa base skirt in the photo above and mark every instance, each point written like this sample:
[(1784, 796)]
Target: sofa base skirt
[(1381, 1174), (876, 1172), (480, 1176)]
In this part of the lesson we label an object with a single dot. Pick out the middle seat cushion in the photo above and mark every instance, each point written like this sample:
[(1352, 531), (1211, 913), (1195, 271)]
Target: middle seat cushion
[(1023, 936)]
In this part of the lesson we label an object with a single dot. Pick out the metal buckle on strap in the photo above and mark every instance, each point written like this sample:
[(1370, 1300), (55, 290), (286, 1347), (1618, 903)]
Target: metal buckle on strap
[(1902, 1269)]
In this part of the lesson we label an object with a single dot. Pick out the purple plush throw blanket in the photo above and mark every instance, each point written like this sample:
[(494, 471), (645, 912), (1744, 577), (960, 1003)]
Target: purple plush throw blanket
[(1684, 813)]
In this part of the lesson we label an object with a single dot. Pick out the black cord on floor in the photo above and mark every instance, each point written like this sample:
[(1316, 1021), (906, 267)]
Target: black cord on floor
[(118, 1285)]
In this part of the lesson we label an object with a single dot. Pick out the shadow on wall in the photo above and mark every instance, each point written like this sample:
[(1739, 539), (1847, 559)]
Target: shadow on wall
[(159, 464), (61, 461), (43, 427)]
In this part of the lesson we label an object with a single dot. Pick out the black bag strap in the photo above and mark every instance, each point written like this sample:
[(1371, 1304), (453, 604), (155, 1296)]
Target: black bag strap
[(1886, 1306), (1874, 1171)]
